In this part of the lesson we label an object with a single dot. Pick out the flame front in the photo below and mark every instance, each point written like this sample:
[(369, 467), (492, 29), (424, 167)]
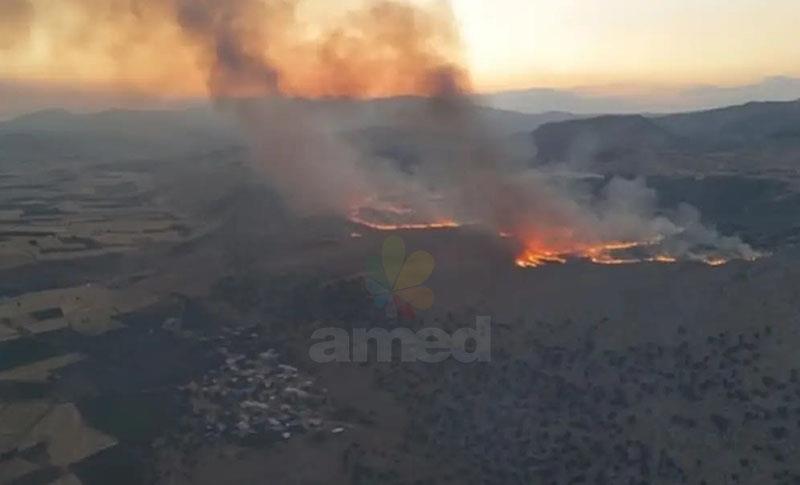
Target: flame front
[(534, 255), (444, 224), (389, 217), (553, 246)]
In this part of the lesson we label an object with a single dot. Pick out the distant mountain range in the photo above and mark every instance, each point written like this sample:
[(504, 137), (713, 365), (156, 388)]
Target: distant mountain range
[(383, 127), (20, 97), (584, 101), (755, 136), (118, 134)]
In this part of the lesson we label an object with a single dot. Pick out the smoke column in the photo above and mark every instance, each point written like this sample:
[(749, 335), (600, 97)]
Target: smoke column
[(386, 46)]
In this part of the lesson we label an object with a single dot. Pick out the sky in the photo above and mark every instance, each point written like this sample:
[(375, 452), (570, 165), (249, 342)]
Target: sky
[(634, 44), (608, 47)]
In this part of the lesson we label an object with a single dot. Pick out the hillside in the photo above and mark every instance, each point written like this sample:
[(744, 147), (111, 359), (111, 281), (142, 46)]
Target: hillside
[(733, 138)]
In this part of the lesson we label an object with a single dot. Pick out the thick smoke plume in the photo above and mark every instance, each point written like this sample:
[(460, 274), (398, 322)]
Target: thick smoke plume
[(385, 47), (254, 56), (15, 21), (307, 48)]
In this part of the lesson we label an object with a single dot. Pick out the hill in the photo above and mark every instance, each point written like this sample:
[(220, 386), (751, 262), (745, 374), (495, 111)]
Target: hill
[(733, 138)]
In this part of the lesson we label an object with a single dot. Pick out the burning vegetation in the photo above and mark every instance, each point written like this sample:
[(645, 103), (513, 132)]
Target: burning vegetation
[(607, 253), (559, 247), (396, 217)]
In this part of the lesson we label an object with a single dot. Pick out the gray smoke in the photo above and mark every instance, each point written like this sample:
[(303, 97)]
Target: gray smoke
[(15, 22)]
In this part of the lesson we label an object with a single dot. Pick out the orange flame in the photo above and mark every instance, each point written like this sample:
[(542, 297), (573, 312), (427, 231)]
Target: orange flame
[(715, 261), (556, 248), (397, 218), (446, 224), (534, 256)]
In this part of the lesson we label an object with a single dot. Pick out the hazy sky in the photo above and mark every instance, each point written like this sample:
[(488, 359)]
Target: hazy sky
[(563, 43), (618, 46)]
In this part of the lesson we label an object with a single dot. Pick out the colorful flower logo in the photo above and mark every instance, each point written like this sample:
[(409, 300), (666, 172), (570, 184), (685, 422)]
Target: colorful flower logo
[(395, 281)]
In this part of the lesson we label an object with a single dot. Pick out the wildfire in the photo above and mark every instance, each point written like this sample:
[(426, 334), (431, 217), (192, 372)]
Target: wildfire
[(614, 253), (533, 257), (558, 248), (603, 254), (669, 259), (407, 226), (388, 217)]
